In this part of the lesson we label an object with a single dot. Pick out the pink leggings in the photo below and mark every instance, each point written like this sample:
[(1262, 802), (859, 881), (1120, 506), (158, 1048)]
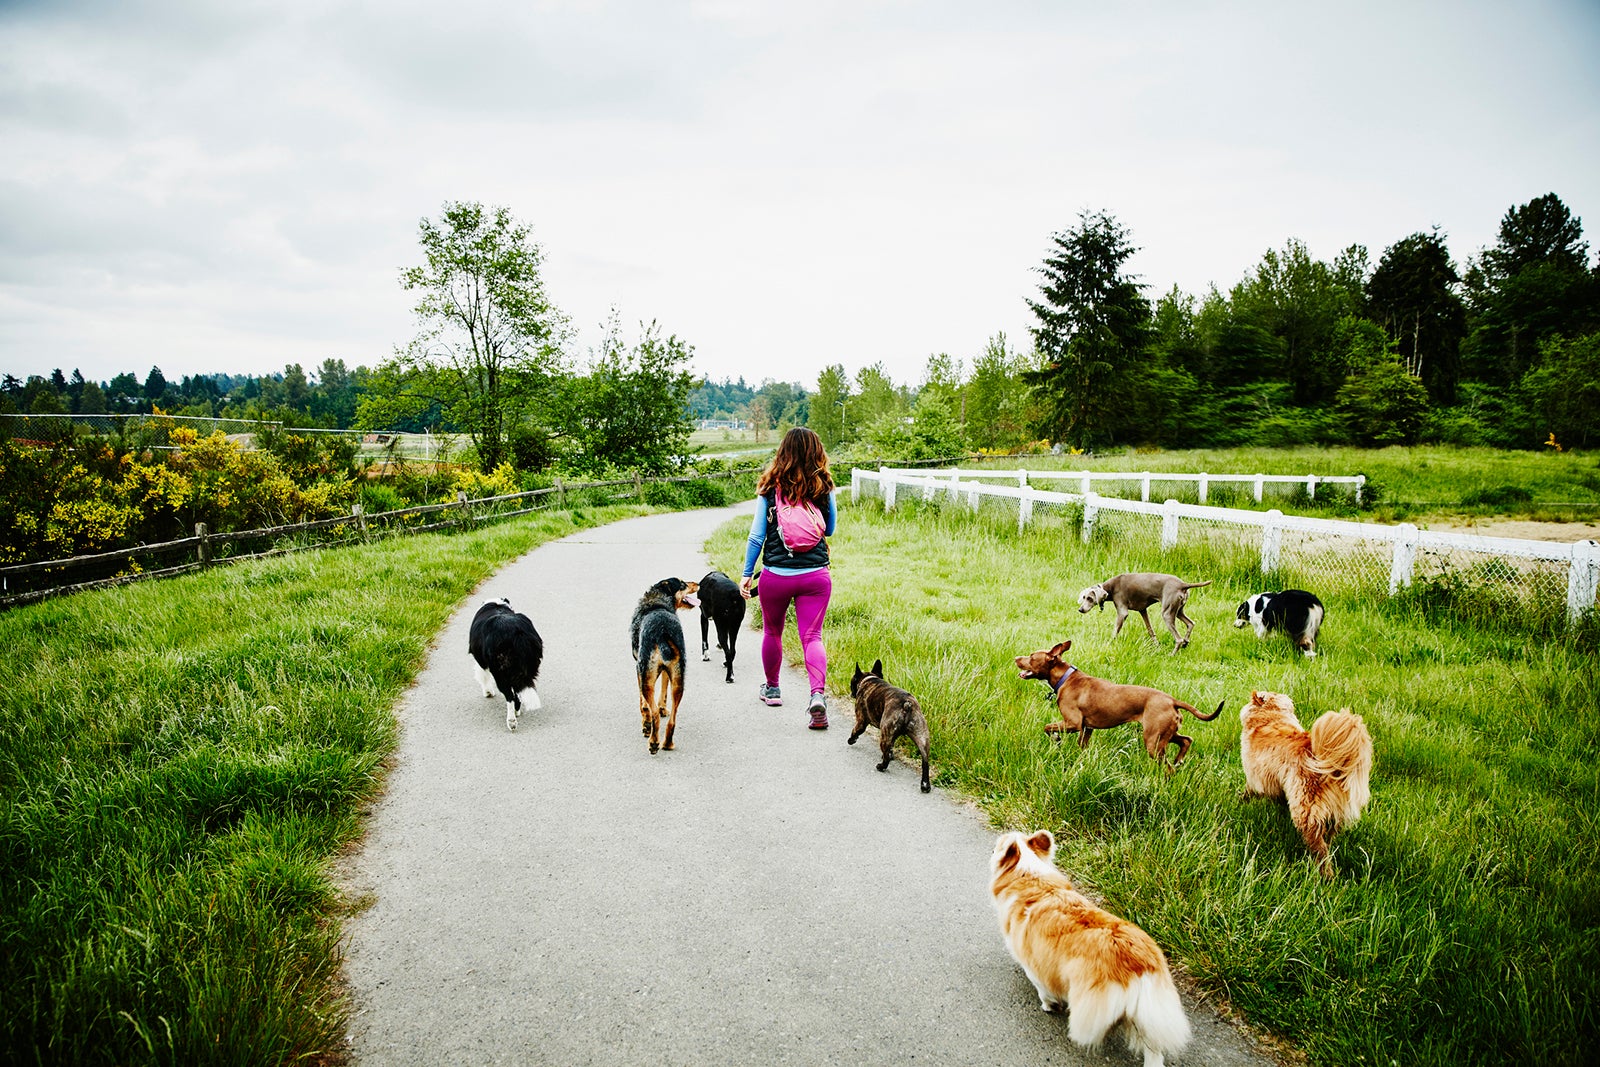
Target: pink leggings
[(810, 593)]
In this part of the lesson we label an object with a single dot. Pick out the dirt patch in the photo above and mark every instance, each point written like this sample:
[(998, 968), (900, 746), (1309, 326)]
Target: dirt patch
[(1566, 532)]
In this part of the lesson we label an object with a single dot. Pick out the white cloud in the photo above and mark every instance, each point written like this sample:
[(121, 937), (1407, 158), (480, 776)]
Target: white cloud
[(234, 187)]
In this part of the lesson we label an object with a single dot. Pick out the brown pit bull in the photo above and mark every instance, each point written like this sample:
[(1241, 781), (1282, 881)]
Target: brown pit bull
[(1088, 704)]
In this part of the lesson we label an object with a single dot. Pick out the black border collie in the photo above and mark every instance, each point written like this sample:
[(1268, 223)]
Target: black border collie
[(1294, 611), (505, 647)]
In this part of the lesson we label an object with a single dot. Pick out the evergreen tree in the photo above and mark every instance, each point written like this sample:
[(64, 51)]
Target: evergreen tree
[(1094, 325), (1412, 294)]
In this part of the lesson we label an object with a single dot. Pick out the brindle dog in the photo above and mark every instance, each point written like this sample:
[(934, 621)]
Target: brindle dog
[(893, 711)]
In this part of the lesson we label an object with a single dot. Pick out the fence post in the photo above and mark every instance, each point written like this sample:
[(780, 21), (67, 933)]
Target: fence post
[(1361, 482), (638, 486), (1205, 483), (1583, 579), (561, 495), (1024, 508), (1091, 513), (1271, 539), (1169, 525), (1405, 557), (461, 498), (929, 487), (886, 479), (1259, 479), (204, 551), (361, 519), (855, 485), (1311, 487), (1086, 485), (1144, 487), (1022, 478), (974, 497)]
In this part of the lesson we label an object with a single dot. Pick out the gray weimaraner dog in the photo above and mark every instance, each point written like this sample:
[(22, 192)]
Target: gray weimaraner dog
[(1136, 592)]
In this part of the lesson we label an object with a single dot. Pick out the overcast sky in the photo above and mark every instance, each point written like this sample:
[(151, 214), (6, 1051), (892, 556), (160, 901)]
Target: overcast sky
[(226, 185)]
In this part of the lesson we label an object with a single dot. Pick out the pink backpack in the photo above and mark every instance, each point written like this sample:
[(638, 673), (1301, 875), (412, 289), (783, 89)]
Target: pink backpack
[(800, 525)]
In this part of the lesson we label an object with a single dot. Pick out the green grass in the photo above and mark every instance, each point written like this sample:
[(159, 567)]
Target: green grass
[(1408, 483), (1464, 925), (179, 762)]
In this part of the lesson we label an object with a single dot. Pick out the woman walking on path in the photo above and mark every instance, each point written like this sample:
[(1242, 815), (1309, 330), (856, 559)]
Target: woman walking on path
[(795, 513)]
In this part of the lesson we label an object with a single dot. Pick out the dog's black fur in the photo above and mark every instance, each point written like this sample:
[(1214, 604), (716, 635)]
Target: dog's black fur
[(658, 648), (893, 711), (504, 643), (1294, 611), (720, 603)]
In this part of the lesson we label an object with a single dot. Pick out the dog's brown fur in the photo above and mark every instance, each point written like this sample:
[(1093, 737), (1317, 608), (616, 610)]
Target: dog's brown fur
[(893, 711), (1323, 774), (1105, 970), (1088, 704)]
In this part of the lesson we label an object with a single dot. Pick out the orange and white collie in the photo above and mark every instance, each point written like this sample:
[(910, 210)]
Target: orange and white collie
[(1324, 773), (1105, 970)]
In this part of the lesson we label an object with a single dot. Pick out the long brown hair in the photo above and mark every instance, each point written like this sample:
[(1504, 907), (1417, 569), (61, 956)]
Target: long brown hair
[(800, 469)]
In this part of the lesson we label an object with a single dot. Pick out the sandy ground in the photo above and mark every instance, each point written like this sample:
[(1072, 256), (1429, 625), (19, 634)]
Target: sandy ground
[(1567, 532), (760, 895)]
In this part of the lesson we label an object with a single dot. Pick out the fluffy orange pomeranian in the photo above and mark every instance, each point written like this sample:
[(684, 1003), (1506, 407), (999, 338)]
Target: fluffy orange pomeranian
[(1105, 970), (1323, 773)]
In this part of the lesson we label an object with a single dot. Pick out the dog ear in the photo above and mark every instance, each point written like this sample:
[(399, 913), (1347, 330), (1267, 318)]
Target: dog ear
[(1042, 843), (877, 667), (1010, 857), (1062, 647)]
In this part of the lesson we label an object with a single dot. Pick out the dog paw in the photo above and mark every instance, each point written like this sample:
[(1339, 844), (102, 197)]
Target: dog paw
[(926, 788), (883, 766), (654, 748)]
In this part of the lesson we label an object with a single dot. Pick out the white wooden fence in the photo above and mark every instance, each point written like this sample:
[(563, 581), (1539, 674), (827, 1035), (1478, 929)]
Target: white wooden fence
[(1203, 482), (1521, 562)]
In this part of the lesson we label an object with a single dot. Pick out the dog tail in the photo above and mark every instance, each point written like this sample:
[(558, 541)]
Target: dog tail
[(1198, 585), (1159, 1027), (1192, 710), (1341, 748)]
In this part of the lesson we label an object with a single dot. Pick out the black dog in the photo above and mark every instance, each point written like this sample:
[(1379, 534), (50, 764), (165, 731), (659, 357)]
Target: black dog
[(893, 711), (505, 646), (1294, 611), (720, 603), (658, 647)]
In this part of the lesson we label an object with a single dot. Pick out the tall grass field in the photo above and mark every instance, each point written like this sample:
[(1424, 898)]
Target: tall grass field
[(1464, 922), (179, 762)]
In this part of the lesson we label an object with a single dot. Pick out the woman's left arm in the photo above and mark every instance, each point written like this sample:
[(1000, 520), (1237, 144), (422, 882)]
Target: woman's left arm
[(833, 513)]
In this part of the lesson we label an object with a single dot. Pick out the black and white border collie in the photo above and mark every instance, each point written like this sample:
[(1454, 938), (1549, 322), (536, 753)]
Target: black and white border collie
[(1294, 611), (506, 648)]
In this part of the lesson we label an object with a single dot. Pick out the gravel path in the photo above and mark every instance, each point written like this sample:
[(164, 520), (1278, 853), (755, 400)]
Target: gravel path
[(760, 895)]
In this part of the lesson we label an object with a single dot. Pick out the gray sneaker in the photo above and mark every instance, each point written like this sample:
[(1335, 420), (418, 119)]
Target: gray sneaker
[(818, 709), (770, 696)]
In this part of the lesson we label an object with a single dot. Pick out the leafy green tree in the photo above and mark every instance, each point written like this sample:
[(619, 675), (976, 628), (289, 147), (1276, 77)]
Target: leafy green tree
[(932, 432), (1094, 326), (1412, 294), (1382, 404), (997, 398), (489, 338), (827, 410), (876, 397), (632, 409), (1299, 302), (1534, 284), (1564, 390), (943, 375), (92, 401)]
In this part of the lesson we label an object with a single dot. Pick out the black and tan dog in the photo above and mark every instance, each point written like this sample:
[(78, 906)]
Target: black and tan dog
[(658, 649), (1088, 704), (720, 603), (893, 711)]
